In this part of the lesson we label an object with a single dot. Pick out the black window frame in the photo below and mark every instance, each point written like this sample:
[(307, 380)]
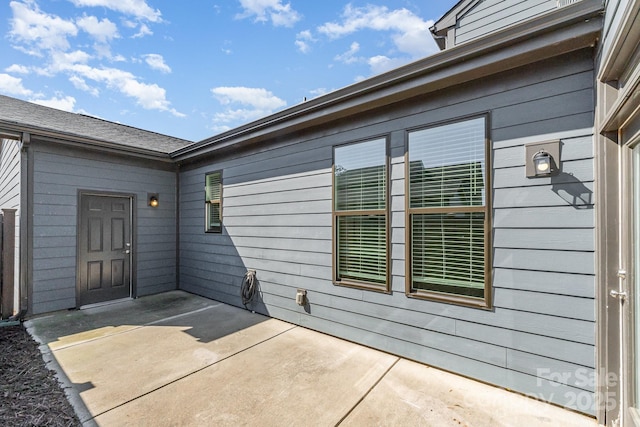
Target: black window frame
[(209, 204)]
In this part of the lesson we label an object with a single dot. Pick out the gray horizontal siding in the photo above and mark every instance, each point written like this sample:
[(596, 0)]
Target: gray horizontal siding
[(489, 16), (57, 180), (277, 220), (10, 198), (10, 174)]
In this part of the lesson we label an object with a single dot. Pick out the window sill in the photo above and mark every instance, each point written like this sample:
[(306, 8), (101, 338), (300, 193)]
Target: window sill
[(451, 299), (354, 284)]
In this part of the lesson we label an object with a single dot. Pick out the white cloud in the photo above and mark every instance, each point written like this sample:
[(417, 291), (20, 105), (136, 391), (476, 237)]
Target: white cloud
[(103, 31), (302, 41), (410, 33), (39, 30), (144, 31), (280, 14), (67, 103), (303, 46), (349, 57), (137, 8), (81, 84), (148, 96), (254, 97), (13, 86), (319, 91), (129, 24), (17, 69), (39, 33), (61, 61), (259, 103), (156, 62), (380, 63)]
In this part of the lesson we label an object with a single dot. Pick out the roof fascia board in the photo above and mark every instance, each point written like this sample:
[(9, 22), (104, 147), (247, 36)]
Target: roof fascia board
[(5, 134), (89, 143), (563, 31)]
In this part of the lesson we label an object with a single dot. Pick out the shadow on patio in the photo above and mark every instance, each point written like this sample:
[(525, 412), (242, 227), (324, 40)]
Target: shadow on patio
[(181, 359)]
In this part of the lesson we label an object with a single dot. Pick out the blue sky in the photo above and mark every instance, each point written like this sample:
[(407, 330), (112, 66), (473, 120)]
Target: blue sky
[(195, 68)]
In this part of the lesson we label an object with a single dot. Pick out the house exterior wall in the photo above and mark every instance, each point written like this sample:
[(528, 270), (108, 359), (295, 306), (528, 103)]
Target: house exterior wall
[(277, 219), (489, 16), (10, 197), (58, 174)]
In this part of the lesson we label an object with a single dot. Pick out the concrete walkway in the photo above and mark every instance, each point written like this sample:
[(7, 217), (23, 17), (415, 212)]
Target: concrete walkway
[(177, 359)]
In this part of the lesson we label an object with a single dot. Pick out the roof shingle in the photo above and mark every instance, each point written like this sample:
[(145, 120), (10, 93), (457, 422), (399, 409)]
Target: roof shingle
[(32, 116)]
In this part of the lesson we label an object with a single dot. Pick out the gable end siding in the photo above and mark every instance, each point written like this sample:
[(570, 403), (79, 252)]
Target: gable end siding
[(489, 16), (10, 197)]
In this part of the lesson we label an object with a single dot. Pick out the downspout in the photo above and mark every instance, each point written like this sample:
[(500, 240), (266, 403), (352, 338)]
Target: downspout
[(177, 226), (26, 213)]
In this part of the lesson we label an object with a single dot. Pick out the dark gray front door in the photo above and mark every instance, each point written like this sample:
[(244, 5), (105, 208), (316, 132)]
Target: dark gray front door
[(104, 252)]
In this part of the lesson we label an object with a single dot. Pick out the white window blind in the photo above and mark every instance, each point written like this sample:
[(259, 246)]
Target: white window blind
[(447, 208), (213, 201), (360, 212)]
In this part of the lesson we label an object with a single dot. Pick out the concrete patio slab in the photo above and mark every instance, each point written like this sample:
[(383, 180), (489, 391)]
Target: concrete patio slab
[(297, 378), (179, 359), (174, 350), (418, 395)]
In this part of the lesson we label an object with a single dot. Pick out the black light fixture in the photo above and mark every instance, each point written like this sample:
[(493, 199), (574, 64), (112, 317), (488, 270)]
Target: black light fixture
[(154, 200), (542, 159)]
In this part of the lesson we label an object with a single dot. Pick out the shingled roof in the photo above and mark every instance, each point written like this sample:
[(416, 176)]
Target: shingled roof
[(26, 116)]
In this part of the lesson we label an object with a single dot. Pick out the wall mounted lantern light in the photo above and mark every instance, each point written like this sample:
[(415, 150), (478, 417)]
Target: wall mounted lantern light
[(542, 159), (153, 199), (542, 163)]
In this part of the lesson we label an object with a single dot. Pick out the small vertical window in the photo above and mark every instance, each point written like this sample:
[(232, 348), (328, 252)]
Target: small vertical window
[(448, 210), (213, 202), (360, 215)]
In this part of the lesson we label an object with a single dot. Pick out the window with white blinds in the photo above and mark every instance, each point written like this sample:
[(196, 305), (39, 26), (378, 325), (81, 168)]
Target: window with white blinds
[(448, 210), (213, 202), (360, 214)]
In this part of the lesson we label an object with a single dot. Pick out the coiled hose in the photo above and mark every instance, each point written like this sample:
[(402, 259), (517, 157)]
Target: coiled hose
[(249, 287)]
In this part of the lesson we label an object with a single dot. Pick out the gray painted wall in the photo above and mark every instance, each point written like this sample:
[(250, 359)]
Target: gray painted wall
[(10, 197), (58, 175), (277, 220), (489, 16)]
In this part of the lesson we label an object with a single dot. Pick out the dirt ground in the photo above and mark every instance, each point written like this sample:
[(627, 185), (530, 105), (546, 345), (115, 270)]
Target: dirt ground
[(30, 394)]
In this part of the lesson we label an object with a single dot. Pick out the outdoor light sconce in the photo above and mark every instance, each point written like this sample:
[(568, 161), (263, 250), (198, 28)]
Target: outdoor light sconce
[(542, 159), (154, 200)]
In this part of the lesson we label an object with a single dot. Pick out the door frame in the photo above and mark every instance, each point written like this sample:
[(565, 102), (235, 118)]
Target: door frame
[(133, 233), (630, 416), (617, 126)]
